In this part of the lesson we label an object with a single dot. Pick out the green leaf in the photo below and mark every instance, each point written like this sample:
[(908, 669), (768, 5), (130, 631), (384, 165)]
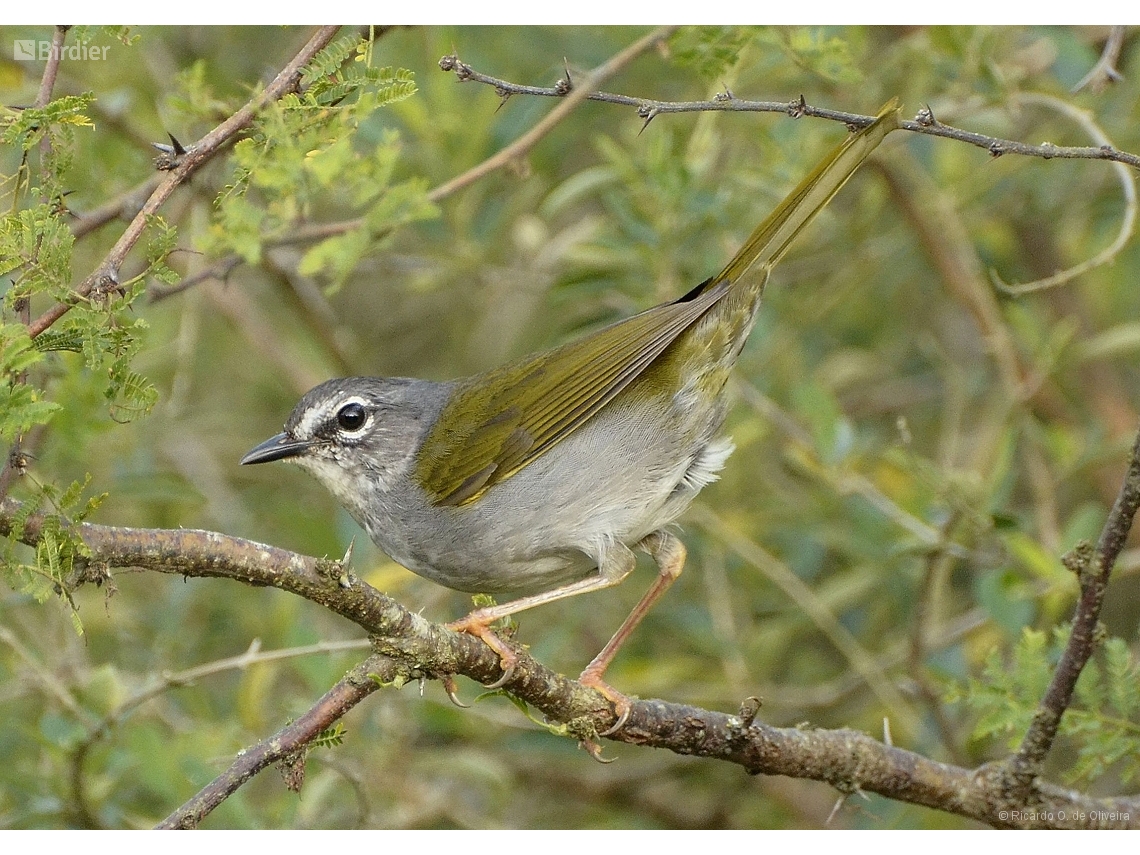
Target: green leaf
[(1102, 725), (25, 128), (710, 51), (21, 406)]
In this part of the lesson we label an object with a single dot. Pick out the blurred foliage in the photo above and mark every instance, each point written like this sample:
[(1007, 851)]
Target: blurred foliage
[(914, 450), (1103, 723)]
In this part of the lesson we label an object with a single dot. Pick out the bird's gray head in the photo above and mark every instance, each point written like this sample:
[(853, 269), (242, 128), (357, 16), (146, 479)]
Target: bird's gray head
[(356, 435)]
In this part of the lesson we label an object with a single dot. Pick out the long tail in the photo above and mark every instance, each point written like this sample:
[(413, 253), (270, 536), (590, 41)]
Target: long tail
[(767, 244)]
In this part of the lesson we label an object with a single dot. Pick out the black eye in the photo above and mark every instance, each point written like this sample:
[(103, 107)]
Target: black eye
[(351, 416)]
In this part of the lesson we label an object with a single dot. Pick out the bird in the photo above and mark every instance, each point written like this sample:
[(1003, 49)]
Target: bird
[(538, 479)]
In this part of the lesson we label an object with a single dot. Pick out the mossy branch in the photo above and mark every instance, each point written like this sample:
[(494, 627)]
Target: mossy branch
[(409, 647)]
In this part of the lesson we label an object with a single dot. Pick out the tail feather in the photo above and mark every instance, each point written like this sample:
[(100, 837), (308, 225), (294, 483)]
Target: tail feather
[(768, 243)]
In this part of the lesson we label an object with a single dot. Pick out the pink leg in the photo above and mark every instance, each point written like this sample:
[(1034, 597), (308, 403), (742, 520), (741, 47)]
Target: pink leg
[(617, 563), (669, 554)]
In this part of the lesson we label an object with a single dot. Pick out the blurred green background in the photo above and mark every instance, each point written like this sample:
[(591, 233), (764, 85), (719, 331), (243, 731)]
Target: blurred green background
[(914, 449)]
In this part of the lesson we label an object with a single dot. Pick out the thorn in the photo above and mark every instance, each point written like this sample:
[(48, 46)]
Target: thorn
[(887, 732), (169, 155), (344, 562), (925, 117), (346, 578), (649, 117)]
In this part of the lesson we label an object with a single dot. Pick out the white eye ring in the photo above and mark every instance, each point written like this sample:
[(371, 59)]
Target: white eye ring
[(352, 416)]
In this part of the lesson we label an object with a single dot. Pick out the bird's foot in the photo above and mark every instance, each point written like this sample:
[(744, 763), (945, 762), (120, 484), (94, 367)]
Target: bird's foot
[(478, 624), (622, 704)]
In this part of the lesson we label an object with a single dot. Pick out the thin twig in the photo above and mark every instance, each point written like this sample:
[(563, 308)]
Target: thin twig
[(923, 123), (845, 758), (1093, 567), (927, 616), (830, 693), (1104, 71), (511, 153), (51, 69), (126, 205), (13, 461), (1127, 186), (186, 165), (846, 483), (289, 744), (253, 656), (50, 682), (947, 244), (820, 614), (219, 270), (579, 91)]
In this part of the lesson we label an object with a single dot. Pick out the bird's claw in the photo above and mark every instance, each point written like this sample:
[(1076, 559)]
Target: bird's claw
[(508, 659), (452, 691), (622, 710), (508, 674), (594, 750), (623, 706)]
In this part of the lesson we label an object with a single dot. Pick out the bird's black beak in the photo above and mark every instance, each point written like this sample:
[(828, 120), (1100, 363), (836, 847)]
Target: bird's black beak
[(280, 447)]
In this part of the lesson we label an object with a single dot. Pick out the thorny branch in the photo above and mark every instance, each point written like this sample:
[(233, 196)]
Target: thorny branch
[(13, 462), (511, 153), (923, 123), (1128, 188), (51, 68), (1093, 568), (289, 745), (100, 730), (411, 647), (571, 95), (574, 92), (185, 165)]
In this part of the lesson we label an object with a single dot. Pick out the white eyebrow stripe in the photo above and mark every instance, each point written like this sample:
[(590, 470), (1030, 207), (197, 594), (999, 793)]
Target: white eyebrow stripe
[(309, 421), (318, 415)]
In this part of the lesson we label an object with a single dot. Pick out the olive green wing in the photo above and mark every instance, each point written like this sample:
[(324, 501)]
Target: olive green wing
[(497, 423)]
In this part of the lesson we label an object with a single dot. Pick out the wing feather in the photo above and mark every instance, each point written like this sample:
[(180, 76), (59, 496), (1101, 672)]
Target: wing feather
[(498, 422)]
